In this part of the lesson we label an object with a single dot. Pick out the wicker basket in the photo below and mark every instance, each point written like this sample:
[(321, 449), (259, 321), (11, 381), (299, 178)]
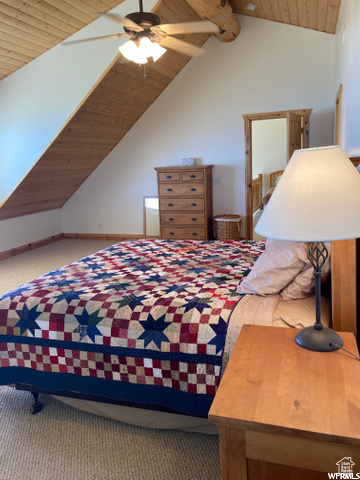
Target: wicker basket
[(227, 227)]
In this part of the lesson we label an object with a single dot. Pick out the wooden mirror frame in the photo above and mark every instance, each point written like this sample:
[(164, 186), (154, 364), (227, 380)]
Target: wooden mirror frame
[(248, 119)]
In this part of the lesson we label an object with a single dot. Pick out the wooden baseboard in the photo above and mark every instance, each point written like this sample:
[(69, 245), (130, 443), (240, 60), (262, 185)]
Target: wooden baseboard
[(103, 236), (116, 237), (30, 246)]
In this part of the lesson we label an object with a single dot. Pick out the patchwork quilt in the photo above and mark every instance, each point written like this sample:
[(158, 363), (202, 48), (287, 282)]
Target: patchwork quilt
[(141, 322)]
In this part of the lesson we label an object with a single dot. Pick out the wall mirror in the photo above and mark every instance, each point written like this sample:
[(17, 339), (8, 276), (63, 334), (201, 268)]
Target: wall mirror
[(151, 217), (270, 140)]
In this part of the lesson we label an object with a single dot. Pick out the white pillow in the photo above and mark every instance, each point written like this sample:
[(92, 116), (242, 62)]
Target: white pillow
[(304, 283), (276, 267)]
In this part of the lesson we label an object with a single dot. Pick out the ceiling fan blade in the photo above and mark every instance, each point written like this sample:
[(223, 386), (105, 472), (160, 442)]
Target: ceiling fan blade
[(189, 27), (182, 47), (96, 38), (124, 21)]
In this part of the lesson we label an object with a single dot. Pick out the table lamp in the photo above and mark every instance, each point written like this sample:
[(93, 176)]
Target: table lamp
[(316, 200)]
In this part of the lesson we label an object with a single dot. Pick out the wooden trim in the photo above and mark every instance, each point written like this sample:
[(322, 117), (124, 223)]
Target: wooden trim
[(117, 237), (29, 246), (337, 133), (104, 236), (279, 114), (248, 119), (343, 286), (284, 450), (249, 224), (355, 161)]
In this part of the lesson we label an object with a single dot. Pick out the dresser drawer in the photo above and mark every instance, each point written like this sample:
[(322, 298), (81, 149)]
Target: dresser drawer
[(183, 233), (189, 219), (192, 176), (179, 189), (169, 177), (171, 204)]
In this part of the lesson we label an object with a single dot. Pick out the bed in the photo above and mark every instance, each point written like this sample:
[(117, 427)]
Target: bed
[(274, 177), (146, 323), (256, 192)]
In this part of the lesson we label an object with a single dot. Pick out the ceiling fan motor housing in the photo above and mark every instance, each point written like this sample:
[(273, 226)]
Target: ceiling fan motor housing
[(143, 19)]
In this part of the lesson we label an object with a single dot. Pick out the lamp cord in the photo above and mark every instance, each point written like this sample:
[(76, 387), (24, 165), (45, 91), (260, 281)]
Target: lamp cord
[(347, 351)]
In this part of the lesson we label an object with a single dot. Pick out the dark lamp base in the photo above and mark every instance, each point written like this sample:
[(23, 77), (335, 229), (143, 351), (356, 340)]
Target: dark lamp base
[(322, 340)]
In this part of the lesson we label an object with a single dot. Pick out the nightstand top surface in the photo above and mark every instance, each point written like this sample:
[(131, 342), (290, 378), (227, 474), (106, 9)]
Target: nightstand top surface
[(273, 385)]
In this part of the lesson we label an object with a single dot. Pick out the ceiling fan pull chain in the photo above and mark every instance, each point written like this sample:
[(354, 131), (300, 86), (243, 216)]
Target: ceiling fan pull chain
[(144, 70)]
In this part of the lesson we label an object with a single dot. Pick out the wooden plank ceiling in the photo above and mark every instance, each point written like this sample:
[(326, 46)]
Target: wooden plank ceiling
[(321, 15), (27, 28), (30, 27)]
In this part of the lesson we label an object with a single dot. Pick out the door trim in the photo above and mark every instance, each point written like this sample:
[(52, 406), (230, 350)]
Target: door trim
[(248, 119)]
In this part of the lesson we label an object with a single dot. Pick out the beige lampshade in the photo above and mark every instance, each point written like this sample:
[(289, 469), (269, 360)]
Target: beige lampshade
[(316, 199)]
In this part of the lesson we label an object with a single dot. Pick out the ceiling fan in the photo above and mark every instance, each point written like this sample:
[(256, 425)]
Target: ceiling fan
[(149, 38)]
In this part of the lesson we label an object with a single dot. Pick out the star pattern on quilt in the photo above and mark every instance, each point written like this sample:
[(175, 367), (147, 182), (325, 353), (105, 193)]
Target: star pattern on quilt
[(154, 331), (232, 292), (197, 270), (118, 286), (69, 295), (198, 303), (16, 293), (27, 319), (87, 324), (174, 288), (155, 278), (219, 280), (220, 332), (131, 301)]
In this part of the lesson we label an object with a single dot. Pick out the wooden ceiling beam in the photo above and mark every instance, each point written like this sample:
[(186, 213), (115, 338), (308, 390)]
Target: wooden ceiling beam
[(220, 13)]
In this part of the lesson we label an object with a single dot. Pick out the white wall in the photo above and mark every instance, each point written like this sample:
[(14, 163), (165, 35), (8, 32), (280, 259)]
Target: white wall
[(348, 74), (269, 67), (19, 231), (269, 148), (37, 100)]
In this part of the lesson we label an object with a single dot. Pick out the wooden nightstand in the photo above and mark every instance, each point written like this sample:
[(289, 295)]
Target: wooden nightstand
[(285, 412)]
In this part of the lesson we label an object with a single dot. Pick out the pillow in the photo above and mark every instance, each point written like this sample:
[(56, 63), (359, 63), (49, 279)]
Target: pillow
[(276, 267), (300, 313), (304, 283)]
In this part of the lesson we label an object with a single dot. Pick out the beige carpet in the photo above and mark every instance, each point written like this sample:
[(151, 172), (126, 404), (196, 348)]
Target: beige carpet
[(63, 443), (20, 269)]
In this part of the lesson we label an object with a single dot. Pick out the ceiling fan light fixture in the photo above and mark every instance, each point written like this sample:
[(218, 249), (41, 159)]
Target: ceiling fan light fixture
[(132, 52), (157, 51), (139, 51)]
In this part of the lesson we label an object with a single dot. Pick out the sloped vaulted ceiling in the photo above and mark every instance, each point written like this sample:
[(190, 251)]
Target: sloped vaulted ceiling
[(108, 113), (122, 96)]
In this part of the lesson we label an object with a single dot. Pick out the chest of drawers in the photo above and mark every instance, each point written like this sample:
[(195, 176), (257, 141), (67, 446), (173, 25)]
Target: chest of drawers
[(185, 202)]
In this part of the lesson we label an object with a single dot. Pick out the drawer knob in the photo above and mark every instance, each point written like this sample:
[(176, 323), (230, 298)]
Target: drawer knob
[(171, 219), (194, 233), (169, 190), (193, 205), (192, 176), (194, 219), (170, 205), (168, 176), (193, 189), (171, 233)]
